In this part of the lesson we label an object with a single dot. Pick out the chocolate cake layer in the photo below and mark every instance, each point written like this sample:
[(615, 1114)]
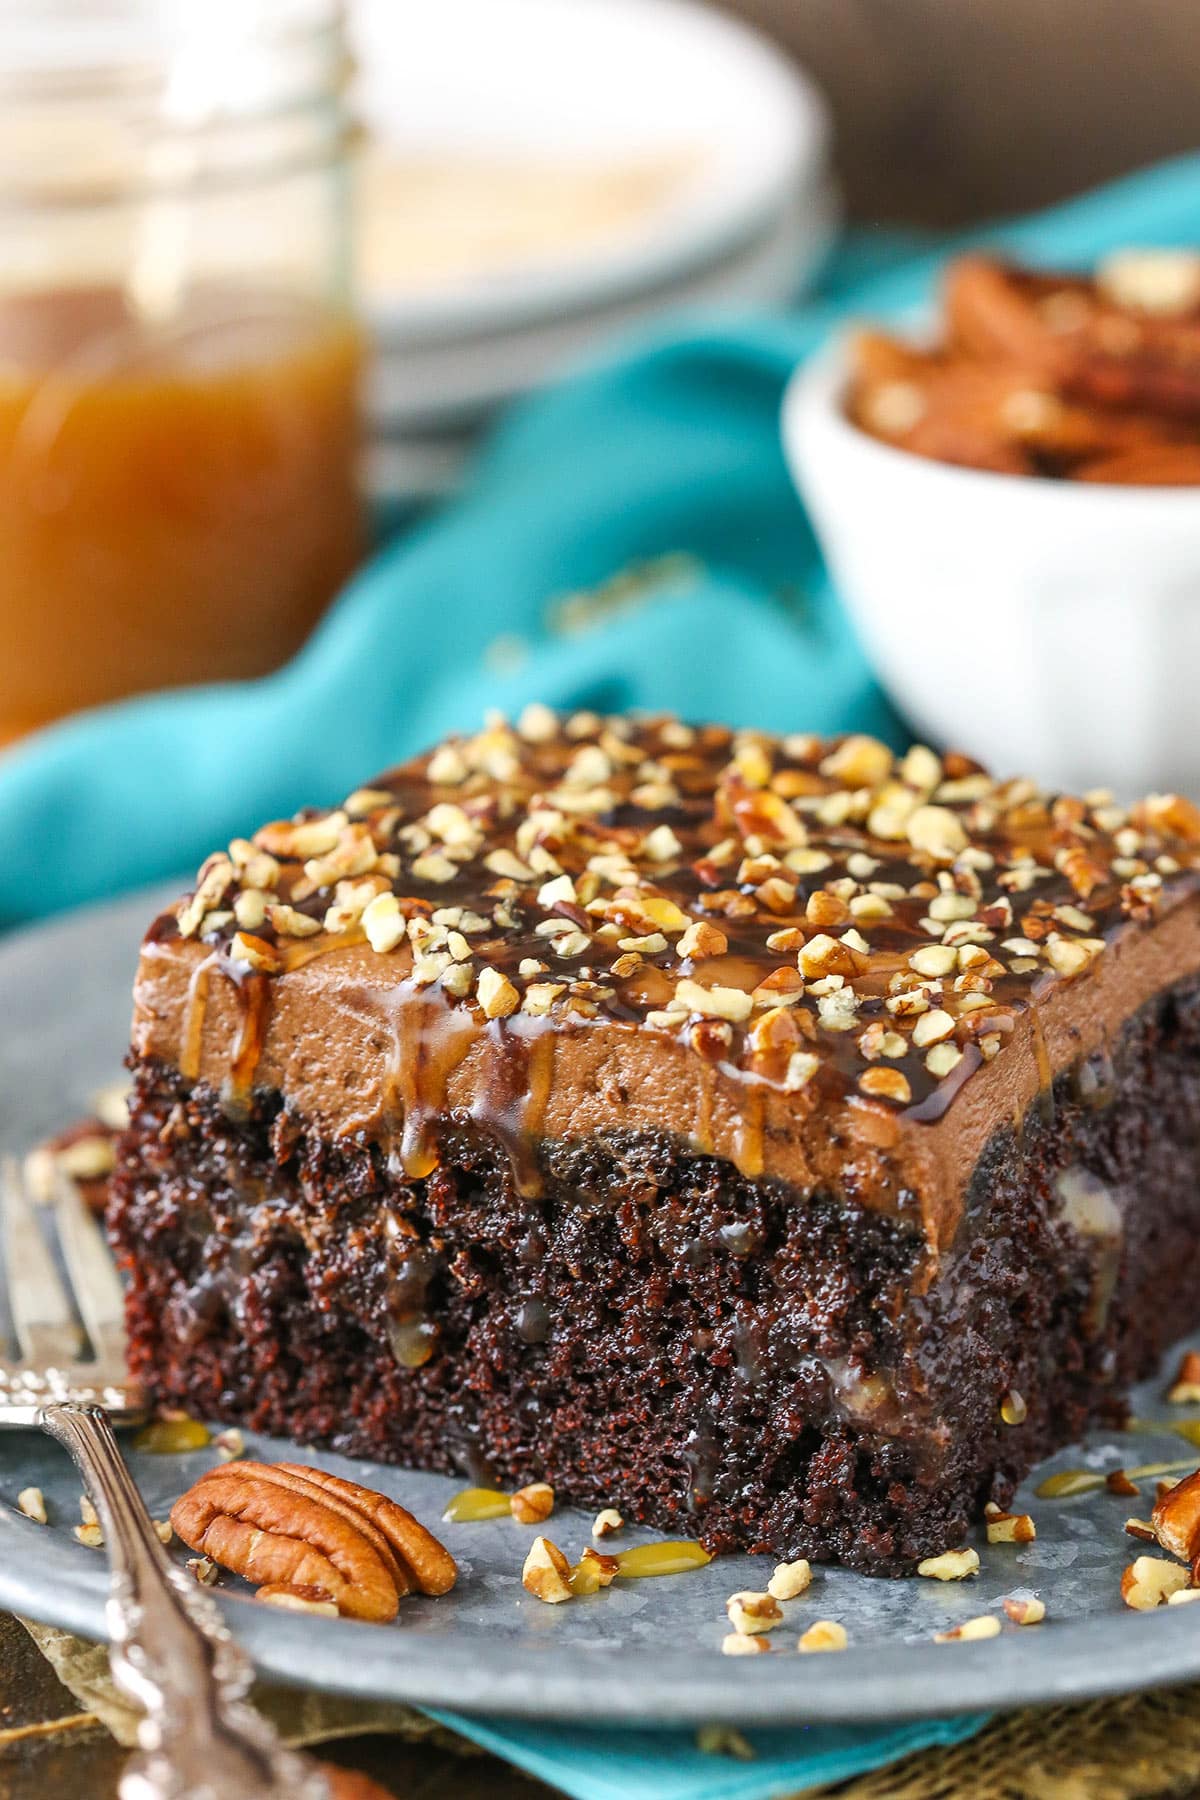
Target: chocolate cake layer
[(739, 1131), (715, 1355)]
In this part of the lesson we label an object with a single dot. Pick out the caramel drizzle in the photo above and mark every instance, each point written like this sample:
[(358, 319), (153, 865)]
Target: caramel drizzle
[(1045, 1095), (195, 1009), (749, 1131), (254, 995), (514, 1095), (254, 998), (431, 1040)]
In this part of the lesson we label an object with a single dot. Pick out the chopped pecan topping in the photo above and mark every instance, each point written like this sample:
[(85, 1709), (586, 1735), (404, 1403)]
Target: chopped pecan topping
[(814, 913)]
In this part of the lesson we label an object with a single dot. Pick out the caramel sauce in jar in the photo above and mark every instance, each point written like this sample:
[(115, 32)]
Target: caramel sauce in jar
[(178, 495)]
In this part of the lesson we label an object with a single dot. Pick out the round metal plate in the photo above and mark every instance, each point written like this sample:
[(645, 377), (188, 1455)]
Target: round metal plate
[(644, 1652)]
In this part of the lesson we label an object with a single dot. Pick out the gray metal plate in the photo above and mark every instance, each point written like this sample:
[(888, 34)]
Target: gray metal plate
[(643, 1652)]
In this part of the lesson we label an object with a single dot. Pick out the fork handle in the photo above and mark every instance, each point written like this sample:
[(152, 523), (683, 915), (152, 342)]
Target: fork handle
[(171, 1651)]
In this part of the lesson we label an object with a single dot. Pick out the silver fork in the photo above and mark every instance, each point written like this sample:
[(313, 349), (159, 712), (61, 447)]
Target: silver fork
[(171, 1652)]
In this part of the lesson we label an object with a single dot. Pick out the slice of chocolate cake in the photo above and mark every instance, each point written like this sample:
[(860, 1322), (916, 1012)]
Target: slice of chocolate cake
[(778, 1141)]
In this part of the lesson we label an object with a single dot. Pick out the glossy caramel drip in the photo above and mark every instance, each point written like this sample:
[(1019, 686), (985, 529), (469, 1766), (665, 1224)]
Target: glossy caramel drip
[(937, 1102), (431, 1040), (477, 1503), (674, 1557), (195, 1008), (254, 1004), (512, 1099), (1068, 1482), (172, 1437), (749, 1136), (1045, 1096), (702, 1129), (296, 953)]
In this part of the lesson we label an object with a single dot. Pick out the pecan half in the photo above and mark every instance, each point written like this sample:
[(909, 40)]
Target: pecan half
[(291, 1526), (1176, 1518), (430, 1566)]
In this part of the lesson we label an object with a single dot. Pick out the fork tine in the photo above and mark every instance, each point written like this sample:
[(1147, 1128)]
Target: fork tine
[(93, 1276), (41, 1311)]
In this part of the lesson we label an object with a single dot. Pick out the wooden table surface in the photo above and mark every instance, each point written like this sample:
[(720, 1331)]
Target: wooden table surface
[(49, 1750)]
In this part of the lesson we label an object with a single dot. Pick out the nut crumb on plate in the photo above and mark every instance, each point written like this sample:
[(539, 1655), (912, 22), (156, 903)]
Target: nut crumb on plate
[(951, 1565), (547, 1573), (32, 1503), (296, 1599), (790, 1579), (1150, 1581), (533, 1503), (1010, 1528), (987, 1625), (752, 1613)]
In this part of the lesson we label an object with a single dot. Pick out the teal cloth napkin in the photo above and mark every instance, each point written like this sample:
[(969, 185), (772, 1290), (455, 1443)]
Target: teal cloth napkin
[(669, 1765), (663, 458), (659, 466)]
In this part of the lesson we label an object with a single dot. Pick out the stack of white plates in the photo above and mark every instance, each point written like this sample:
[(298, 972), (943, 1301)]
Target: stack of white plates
[(542, 174)]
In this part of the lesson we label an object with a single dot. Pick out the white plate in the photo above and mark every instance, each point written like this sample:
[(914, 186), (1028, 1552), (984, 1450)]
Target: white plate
[(426, 385), (587, 81)]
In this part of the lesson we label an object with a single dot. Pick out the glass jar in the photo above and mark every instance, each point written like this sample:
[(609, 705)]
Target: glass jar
[(179, 366)]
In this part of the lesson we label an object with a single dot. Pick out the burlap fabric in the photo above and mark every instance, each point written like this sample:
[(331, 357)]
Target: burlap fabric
[(1137, 1748)]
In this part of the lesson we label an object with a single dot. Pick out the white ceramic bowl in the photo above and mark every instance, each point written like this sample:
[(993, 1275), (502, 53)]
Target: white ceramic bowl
[(1048, 628)]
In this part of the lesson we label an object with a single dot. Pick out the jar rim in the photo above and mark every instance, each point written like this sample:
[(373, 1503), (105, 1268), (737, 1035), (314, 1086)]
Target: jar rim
[(209, 99), (86, 41)]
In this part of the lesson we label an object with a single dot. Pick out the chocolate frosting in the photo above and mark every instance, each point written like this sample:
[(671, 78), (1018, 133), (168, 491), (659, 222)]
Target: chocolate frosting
[(824, 965)]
